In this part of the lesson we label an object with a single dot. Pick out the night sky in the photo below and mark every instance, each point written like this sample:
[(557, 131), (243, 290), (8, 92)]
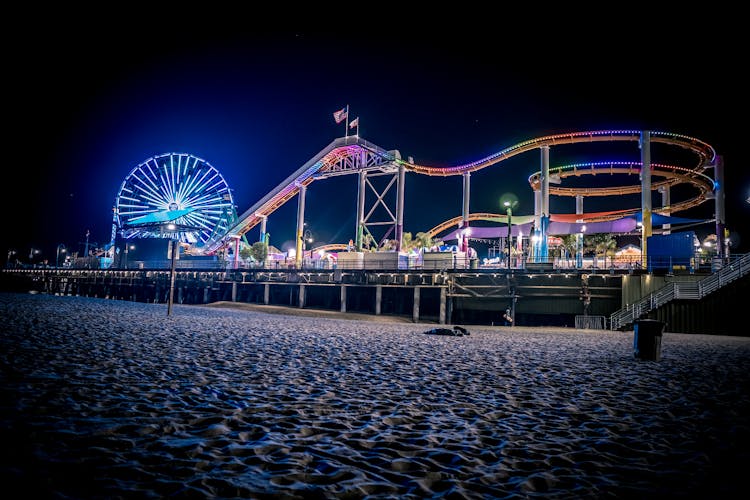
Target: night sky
[(87, 106)]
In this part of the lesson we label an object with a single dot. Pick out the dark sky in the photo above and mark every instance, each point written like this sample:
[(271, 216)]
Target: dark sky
[(87, 106)]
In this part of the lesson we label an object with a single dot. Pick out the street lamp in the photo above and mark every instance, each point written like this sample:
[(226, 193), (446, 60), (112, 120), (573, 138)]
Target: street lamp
[(175, 251), (127, 248), (509, 201), (11, 253), (32, 253), (60, 249), (508, 210), (579, 247), (306, 238)]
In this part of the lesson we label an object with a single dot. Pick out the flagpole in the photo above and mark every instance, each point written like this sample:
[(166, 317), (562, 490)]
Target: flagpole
[(346, 129)]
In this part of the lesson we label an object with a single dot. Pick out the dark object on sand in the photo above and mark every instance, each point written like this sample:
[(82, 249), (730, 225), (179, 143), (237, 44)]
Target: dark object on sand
[(457, 331), (647, 339)]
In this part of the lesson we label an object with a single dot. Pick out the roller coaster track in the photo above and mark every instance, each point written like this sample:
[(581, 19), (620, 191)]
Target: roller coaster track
[(672, 175), (353, 154), (344, 155), (444, 226), (705, 153)]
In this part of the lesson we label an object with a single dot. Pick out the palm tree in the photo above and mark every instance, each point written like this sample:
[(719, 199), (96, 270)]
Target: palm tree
[(407, 243), (389, 245), (367, 242), (570, 244), (603, 244), (258, 251), (424, 240)]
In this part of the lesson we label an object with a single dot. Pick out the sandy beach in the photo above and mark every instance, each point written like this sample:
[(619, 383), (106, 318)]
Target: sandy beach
[(111, 399)]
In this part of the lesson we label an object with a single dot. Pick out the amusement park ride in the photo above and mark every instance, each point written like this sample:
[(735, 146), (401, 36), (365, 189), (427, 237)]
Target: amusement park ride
[(191, 195)]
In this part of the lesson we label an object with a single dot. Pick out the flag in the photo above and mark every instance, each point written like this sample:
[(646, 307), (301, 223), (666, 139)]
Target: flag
[(354, 123), (340, 115)]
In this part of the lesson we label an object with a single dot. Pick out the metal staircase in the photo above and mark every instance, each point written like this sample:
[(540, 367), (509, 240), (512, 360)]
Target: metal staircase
[(694, 290)]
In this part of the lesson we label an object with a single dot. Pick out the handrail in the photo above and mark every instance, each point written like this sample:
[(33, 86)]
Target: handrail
[(696, 290)]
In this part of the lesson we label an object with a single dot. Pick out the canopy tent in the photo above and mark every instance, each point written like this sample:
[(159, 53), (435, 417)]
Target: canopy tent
[(488, 232), (659, 220), (560, 226), (515, 219), (656, 219), (589, 215)]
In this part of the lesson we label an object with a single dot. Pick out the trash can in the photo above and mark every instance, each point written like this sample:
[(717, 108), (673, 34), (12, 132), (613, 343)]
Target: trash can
[(647, 339)]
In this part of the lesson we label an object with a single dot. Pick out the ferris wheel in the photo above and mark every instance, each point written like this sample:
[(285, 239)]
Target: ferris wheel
[(179, 188)]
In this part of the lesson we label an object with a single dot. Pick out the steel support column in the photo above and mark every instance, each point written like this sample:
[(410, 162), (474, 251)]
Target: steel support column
[(646, 230), (300, 225), (360, 210), (544, 219), (579, 236), (400, 205), (719, 196)]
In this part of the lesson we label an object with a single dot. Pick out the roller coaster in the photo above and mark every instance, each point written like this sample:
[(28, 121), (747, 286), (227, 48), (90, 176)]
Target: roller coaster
[(354, 155)]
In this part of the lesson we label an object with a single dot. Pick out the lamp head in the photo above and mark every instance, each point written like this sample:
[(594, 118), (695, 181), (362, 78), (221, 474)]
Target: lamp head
[(508, 201)]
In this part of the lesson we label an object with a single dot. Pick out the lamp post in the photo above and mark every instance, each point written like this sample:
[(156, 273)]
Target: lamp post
[(509, 212), (60, 249), (306, 238), (11, 253), (175, 249), (128, 247), (579, 247), (33, 252)]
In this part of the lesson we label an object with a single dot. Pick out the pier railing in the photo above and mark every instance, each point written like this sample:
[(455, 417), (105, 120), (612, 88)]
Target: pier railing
[(392, 260)]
